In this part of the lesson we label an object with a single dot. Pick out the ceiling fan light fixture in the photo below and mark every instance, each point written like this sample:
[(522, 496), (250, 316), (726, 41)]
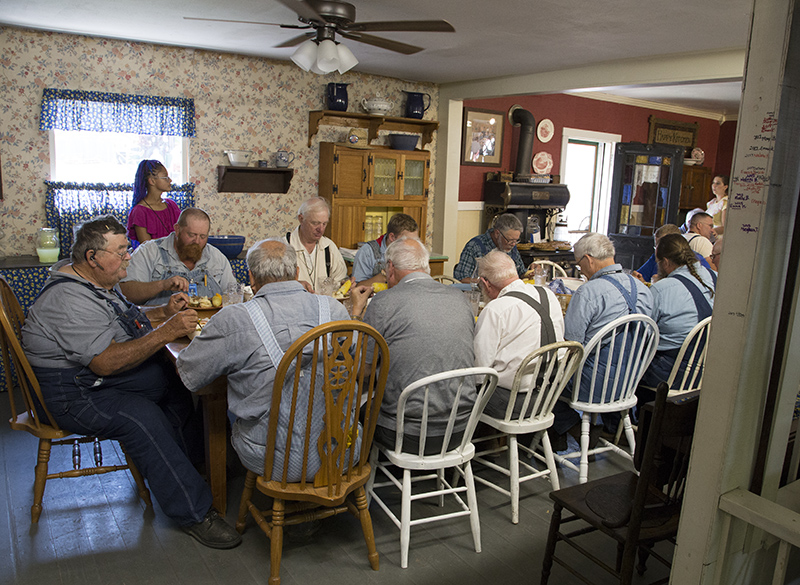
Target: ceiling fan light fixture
[(306, 55), (346, 59), (327, 56)]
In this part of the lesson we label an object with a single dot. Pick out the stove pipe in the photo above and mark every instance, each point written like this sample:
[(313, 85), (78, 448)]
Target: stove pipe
[(524, 119)]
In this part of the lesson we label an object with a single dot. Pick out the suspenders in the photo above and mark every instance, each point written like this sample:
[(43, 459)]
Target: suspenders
[(327, 254), (548, 332), (700, 301), (630, 297)]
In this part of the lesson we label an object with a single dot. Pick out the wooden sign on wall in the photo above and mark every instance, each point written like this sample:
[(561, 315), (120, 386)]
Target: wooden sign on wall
[(673, 133)]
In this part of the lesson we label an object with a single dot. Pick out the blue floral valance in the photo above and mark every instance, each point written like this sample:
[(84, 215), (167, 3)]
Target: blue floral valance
[(66, 109), (70, 204)]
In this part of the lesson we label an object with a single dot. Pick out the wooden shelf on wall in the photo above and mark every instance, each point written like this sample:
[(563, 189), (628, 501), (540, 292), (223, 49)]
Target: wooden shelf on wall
[(372, 123), (253, 180)]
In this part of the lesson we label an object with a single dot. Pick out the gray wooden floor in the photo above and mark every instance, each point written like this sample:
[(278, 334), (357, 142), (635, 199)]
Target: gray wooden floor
[(94, 530)]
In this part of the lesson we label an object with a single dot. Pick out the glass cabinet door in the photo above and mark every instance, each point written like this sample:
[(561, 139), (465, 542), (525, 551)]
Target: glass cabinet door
[(384, 176), (645, 190), (414, 178)]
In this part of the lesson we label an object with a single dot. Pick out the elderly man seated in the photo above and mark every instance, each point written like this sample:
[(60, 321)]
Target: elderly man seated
[(317, 256), (503, 235), (101, 371), (518, 320), (429, 328), (238, 342), (608, 295), (701, 234), (166, 265)]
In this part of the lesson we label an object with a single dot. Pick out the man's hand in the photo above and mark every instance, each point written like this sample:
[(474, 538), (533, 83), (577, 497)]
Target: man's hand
[(637, 276), (180, 324), (307, 286), (177, 303), (358, 296), (177, 283)]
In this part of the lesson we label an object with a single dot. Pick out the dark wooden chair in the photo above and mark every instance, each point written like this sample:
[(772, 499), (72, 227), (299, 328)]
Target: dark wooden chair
[(29, 414), (339, 348), (636, 511)]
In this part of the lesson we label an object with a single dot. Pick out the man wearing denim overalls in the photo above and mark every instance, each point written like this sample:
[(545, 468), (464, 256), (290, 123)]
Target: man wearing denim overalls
[(102, 372)]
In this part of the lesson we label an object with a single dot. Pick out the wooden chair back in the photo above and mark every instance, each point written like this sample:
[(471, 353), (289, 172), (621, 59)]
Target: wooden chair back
[(687, 373), (12, 307), (418, 393), (444, 279), (348, 362), (553, 270), (542, 376), (616, 358)]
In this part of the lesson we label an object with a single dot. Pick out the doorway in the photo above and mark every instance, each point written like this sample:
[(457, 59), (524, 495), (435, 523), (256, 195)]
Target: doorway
[(586, 166)]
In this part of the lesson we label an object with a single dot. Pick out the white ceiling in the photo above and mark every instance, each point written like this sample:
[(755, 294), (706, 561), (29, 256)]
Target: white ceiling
[(495, 38)]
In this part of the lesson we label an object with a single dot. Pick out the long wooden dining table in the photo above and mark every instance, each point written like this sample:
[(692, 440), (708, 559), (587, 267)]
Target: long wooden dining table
[(214, 402)]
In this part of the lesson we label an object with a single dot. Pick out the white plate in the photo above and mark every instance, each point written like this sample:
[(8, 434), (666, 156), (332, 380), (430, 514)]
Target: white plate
[(542, 162), (545, 130), (698, 155)]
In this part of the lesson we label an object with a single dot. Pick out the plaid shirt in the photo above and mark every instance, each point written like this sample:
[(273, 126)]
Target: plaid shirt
[(478, 247)]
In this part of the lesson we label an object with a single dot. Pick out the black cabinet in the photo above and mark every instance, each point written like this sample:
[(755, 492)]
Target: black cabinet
[(645, 190)]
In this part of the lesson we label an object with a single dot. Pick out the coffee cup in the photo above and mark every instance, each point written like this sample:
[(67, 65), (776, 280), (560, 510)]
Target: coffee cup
[(283, 158)]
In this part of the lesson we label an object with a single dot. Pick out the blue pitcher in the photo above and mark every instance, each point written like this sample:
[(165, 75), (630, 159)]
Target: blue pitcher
[(415, 104), (336, 96)]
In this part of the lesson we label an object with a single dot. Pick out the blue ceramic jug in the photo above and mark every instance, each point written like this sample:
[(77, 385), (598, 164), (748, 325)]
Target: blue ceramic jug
[(415, 104), (336, 95)]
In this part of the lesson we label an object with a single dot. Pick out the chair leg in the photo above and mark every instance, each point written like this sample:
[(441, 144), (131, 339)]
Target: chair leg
[(40, 478), (644, 554), (247, 493), (550, 461), (550, 549), (513, 470), (472, 502), (366, 527), (629, 435), (373, 462), (440, 485), (584, 466), (276, 542), (144, 493), (405, 518)]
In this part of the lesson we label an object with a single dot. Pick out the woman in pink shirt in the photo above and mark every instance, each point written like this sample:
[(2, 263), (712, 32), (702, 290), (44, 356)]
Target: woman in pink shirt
[(151, 216)]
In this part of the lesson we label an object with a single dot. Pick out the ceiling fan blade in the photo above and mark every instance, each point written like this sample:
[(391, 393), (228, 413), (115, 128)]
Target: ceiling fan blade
[(395, 46), (246, 22), (304, 10), (402, 26), (293, 42)]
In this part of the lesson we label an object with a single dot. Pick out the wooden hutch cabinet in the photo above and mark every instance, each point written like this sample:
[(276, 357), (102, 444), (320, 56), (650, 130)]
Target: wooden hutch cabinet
[(695, 187), (376, 180)]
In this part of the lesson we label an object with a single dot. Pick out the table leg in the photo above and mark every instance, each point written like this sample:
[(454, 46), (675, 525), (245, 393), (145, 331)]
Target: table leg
[(215, 407)]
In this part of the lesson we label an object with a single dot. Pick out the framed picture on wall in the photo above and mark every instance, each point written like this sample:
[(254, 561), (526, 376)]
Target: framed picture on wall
[(482, 137), (673, 133)]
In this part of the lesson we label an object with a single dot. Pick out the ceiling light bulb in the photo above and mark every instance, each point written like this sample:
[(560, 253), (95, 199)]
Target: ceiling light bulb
[(346, 59), (327, 56), (306, 55)]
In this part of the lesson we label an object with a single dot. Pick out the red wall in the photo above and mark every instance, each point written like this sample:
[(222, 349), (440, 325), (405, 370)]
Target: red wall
[(582, 113), (727, 140)]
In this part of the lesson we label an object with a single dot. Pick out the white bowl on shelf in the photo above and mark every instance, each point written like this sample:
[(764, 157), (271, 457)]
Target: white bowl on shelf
[(239, 158)]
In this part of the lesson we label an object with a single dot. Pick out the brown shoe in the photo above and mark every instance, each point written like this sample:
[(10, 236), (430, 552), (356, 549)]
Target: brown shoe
[(214, 532)]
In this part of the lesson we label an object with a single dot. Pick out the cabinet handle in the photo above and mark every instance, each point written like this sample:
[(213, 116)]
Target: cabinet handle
[(364, 178)]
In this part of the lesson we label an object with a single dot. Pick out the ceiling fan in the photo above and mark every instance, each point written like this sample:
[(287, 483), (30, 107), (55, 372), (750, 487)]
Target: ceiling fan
[(326, 18)]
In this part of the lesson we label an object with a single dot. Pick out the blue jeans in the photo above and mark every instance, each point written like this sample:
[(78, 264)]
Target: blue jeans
[(149, 412)]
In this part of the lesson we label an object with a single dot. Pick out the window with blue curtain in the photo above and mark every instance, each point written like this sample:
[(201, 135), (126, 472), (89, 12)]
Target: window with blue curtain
[(69, 204)]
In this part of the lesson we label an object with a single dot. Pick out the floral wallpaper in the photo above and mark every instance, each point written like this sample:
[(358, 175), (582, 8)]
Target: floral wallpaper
[(241, 102)]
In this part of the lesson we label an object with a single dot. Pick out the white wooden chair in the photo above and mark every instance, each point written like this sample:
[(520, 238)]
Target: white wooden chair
[(458, 457), (617, 356), (546, 371), (687, 373), (556, 270), (444, 279)]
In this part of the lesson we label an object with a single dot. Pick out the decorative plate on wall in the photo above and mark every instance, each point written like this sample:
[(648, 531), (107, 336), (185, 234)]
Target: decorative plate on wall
[(698, 155), (542, 162), (545, 130)]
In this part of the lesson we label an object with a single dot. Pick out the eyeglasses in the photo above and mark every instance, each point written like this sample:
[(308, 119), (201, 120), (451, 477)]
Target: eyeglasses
[(507, 240), (165, 177), (121, 255)]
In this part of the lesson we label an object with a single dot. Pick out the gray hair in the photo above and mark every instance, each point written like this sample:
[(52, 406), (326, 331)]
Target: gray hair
[(314, 204), (272, 260), (497, 267), (92, 236), (409, 254), (507, 221), (595, 245)]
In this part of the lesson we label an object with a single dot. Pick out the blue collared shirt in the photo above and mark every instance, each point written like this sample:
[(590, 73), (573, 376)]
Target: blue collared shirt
[(674, 310), (598, 302), (364, 263), (478, 247)]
